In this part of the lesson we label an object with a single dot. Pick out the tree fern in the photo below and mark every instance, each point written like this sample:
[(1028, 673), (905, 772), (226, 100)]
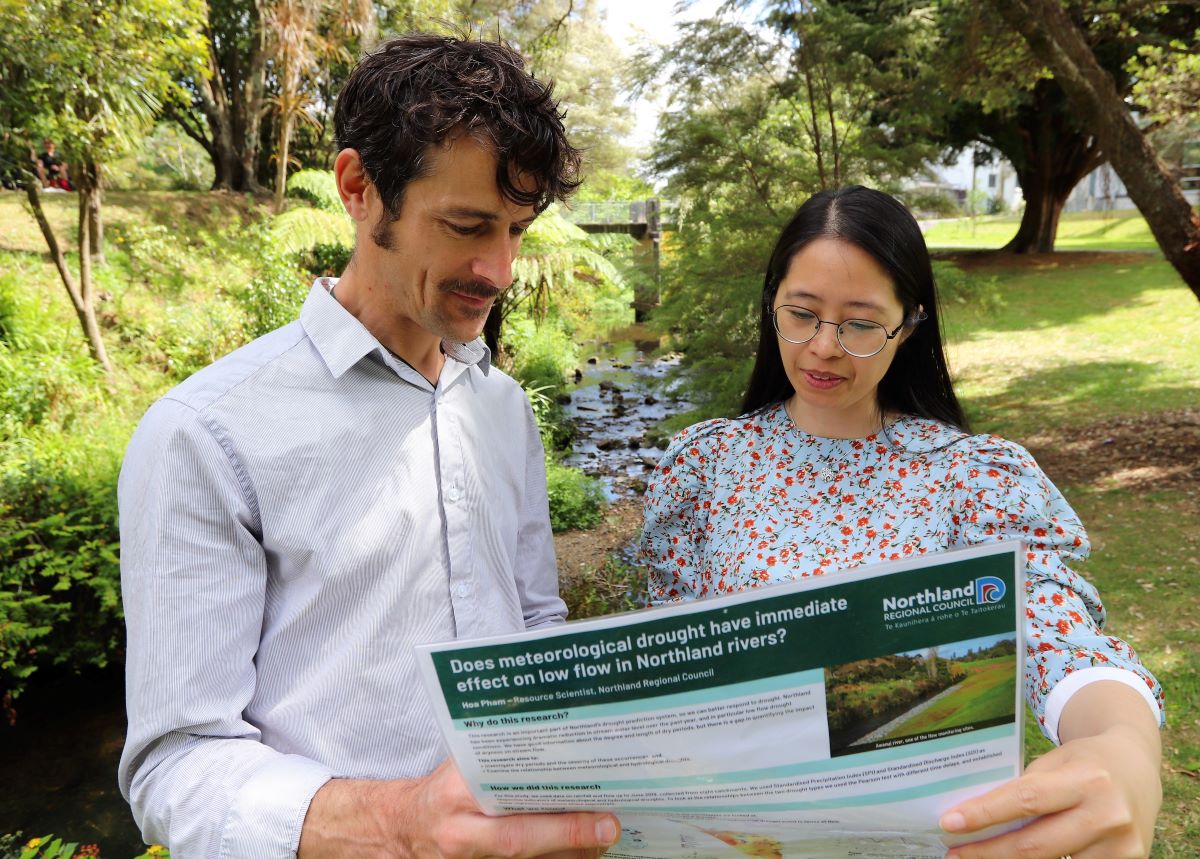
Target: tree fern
[(303, 227), (317, 187)]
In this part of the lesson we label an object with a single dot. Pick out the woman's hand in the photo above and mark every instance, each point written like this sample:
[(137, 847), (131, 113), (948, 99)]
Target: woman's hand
[(1094, 797)]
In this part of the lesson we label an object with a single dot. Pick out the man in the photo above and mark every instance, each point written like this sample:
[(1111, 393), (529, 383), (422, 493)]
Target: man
[(295, 517), (52, 170)]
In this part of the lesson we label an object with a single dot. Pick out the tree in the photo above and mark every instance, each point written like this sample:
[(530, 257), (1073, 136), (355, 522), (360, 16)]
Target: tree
[(1056, 41), (91, 76), (977, 82), (299, 39), (223, 106), (758, 118)]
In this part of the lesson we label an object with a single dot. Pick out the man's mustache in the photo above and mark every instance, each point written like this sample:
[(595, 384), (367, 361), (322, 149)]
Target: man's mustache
[(473, 288)]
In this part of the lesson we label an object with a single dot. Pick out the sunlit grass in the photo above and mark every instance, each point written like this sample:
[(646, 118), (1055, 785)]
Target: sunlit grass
[(1116, 230), (1074, 343), (1077, 342)]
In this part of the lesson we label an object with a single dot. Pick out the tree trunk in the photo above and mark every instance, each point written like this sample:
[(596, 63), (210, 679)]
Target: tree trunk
[(80, 300), (1053, 157), (1058, 43), (89, 205), (285, 132), (231, 99), (249, 125)]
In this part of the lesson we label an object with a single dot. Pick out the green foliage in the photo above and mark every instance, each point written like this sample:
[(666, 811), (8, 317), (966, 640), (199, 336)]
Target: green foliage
[(542, 355), (317, 187), (327, 260), (600, 185), (59, 570), (931, 203), (302, 228), (92, 76), (860, 691), (576, 500), (51, 847), (980, 293), (166, 160), (274, 297), (611, 588)]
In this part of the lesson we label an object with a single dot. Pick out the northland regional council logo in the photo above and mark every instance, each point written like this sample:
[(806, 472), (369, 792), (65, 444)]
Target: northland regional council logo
[(977, 592)]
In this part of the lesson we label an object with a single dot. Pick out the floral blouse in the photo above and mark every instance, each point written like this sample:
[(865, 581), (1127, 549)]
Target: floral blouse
[(738, 503)]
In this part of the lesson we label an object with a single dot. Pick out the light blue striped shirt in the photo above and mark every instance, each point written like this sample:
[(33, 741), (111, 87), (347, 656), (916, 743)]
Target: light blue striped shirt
[(294, 518)]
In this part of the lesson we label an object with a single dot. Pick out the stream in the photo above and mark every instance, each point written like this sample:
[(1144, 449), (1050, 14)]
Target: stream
[(621, 395)]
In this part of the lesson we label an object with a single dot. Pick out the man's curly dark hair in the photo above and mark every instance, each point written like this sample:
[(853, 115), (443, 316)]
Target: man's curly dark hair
[(418, 90)]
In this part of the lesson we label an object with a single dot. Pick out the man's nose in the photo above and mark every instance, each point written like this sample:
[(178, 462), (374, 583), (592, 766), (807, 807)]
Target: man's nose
[(494, 261)]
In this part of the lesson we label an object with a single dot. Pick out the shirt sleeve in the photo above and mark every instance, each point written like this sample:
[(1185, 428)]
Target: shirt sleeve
[(1006, 495), (536, 566), (677, 507), (193, 581)]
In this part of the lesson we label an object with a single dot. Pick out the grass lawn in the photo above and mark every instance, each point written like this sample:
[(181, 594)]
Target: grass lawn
[(1118, 230), (1093, 362)]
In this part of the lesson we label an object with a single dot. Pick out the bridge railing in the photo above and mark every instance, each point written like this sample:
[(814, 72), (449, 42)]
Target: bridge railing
[(620, 212)]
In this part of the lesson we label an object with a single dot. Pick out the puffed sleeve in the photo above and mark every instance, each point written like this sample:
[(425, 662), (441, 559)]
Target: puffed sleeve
[(1004, 494), (676, 512)]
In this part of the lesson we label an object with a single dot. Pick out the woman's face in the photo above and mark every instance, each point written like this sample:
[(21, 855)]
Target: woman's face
[(835, 391)]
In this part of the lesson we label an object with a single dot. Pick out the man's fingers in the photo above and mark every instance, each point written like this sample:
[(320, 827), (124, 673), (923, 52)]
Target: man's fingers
[(525, 836), (1031, 795)]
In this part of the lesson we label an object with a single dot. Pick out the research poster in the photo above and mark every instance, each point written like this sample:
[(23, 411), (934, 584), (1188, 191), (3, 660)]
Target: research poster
[(833, 717)]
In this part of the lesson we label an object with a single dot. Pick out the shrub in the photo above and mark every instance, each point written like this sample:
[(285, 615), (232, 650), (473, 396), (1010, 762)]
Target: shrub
[(576, 500), (274, 297), (327, 260), (956, 286), (542, 354), (612, 588), (59, 568)]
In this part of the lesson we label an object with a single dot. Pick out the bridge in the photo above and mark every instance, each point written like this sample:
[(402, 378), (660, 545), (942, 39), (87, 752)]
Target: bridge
[(642, 219)]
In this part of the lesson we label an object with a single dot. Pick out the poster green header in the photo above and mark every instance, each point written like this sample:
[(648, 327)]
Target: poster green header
[(780, 630)]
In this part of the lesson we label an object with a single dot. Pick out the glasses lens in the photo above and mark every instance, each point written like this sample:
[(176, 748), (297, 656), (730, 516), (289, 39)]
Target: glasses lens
[(862, 338), (795, 323)]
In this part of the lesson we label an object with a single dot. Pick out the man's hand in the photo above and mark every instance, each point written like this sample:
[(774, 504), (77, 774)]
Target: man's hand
[(1094, 797), (436, 817)]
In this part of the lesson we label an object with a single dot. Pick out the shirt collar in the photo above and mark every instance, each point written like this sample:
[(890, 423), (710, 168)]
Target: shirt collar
[(342, 341)]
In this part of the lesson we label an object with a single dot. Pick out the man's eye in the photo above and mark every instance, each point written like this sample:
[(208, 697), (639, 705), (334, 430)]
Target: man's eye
[(517, 230), (463, 229)]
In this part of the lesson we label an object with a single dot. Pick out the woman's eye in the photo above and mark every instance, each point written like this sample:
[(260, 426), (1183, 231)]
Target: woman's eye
[(861, 325), (802, 315)]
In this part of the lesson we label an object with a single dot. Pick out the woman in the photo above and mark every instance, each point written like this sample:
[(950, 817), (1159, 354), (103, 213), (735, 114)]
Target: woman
[(853, 449)]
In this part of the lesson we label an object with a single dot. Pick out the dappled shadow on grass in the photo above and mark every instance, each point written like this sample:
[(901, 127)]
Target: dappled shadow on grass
[(1071, 395), (1046, 290)]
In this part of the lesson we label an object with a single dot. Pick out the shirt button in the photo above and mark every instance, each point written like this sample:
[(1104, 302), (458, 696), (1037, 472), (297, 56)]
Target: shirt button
[(462, 589), (453, 493)]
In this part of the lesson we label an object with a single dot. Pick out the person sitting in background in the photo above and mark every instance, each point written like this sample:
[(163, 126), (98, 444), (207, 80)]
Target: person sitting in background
[(51, 169), (853, 449)]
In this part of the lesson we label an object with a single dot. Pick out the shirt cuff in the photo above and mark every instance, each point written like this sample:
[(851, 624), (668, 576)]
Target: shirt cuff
[(1057, 700), (268, 812)]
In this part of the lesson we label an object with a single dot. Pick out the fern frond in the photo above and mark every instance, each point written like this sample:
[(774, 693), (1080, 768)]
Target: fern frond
[(317, 187), (302, 228)]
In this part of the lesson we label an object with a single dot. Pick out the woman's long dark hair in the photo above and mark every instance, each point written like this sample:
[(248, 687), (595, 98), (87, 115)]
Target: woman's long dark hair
[(918, 381)]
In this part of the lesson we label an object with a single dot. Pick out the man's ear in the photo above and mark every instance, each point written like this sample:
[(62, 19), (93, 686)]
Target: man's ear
[(354, 186)]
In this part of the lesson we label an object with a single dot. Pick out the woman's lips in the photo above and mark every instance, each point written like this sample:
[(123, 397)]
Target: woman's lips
[(823, 381)]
